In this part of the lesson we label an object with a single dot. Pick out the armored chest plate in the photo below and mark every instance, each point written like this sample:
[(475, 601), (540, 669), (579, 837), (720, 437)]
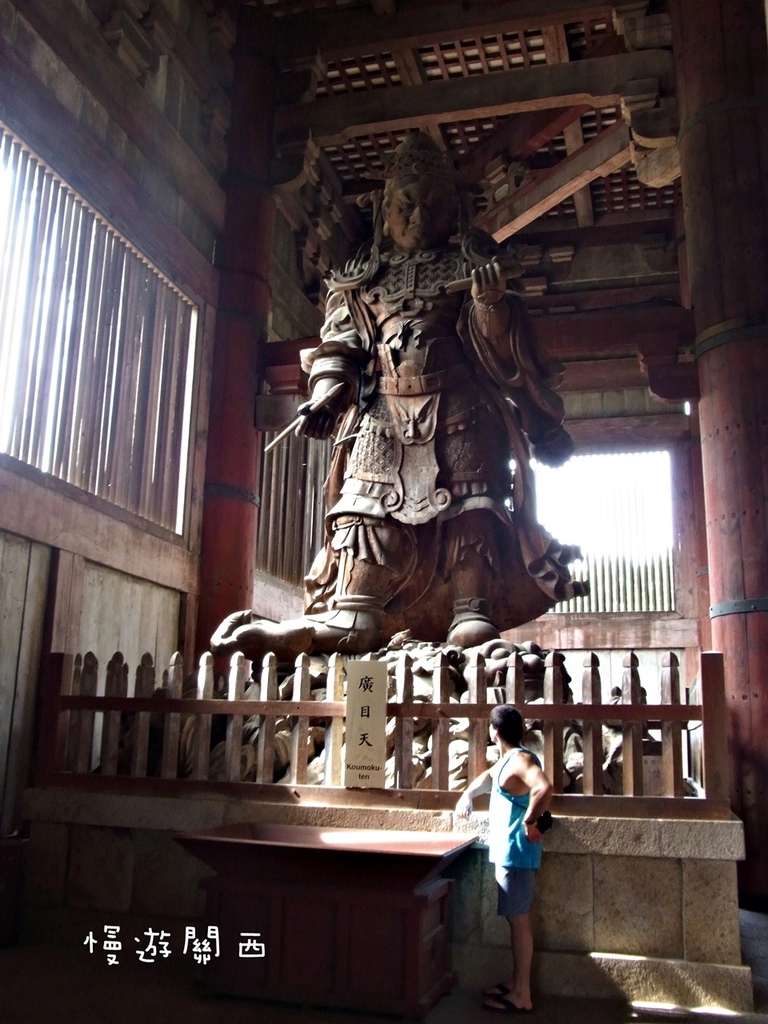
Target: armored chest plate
[(420, 275)]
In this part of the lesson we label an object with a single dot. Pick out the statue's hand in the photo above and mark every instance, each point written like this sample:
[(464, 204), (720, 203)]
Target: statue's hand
[(320, 413), (223, 640), (488, 284)]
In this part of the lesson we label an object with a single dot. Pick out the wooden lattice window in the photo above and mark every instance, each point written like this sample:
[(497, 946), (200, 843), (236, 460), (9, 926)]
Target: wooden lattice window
[(292, 514), (618, 509), (97, 348)]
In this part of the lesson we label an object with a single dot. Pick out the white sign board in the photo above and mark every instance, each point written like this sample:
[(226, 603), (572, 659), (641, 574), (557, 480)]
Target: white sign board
[(366, 741)]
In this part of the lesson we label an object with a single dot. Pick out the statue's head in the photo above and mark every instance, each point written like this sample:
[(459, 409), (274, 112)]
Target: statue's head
[(420, 203)]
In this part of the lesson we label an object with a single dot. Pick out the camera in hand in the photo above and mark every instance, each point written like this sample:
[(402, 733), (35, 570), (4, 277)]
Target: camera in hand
[(544, 822)]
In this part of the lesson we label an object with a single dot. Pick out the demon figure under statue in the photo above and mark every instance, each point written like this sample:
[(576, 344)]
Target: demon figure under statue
[(430, 373)]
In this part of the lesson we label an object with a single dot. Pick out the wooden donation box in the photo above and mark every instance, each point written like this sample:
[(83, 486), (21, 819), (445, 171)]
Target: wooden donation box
[(353, 918)]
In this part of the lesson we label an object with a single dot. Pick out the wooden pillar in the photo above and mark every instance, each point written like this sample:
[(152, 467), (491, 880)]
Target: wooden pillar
[(230, 512), (722, 81)]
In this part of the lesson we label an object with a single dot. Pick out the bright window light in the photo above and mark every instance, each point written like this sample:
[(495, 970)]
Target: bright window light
[(618, 509)]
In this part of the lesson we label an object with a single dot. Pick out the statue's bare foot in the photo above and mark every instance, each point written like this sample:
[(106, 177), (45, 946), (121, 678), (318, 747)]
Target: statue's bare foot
[(346, 631), (256, 637)]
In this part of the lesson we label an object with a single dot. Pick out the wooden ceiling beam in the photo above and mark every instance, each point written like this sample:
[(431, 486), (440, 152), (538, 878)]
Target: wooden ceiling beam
[(613, 332), (606, 333), (602, 375), (606, 153), (556, 49), (608, 229), (629, 433), (518, 138), (338, 35), (595, 83), (588, 299)]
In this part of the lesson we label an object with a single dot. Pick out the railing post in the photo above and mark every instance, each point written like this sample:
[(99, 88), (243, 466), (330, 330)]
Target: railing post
[(514, 682), (265, 745), (477, 730), (591, 693), (404, 726), (671, 732), (71, 671), (632, 732), (144, 687), (201, 756), (84, 743), (234, 742), (300, 727), (172, 725), (553, 731), (116, 686), (440, 734), (334, 731), (716, 768)]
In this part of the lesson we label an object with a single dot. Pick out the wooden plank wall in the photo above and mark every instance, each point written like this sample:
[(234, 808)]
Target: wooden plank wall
[(136, 616), (24, 568)]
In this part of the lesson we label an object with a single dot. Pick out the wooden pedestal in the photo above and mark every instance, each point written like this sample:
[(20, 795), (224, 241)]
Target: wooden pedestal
[(347, 918)]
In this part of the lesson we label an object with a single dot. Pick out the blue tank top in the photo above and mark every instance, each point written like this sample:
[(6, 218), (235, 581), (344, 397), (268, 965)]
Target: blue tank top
[(508, 845)]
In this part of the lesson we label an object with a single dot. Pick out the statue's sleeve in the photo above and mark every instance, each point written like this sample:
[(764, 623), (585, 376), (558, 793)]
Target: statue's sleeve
[(505, 343), (343, 352)]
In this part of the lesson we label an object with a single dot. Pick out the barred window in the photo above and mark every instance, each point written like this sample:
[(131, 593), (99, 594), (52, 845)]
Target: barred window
[(97, 348), (618, 509), (292, 515)]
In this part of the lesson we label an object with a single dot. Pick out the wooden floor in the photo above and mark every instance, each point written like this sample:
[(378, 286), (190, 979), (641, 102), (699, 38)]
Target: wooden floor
[(39, 985)]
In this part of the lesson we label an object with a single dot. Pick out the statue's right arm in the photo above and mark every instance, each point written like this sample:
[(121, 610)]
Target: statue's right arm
[(338, 359)]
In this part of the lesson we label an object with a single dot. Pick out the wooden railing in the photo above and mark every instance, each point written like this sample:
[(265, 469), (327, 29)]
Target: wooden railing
[(190, 735)]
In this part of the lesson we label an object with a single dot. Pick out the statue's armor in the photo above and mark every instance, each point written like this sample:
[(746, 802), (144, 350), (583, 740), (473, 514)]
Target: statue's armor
[(423, 444)]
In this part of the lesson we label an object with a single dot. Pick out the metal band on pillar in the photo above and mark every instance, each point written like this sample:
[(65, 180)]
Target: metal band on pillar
[(231, 491), (740, 607), (738, 329)]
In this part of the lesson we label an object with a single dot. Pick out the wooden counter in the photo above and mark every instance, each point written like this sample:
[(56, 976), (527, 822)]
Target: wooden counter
[(353, 918)]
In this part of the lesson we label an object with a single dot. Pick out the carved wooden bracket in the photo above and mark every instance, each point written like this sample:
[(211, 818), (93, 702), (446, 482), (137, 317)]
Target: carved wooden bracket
[(672, 373)]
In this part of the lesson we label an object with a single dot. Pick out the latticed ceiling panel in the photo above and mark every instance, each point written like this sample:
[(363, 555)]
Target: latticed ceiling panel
[(364, 157), (358, 87), (622, 192), (481, 56), (584, 36), (358, 74)]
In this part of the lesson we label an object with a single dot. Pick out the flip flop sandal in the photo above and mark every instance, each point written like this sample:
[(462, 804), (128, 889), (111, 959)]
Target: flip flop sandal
[(496, 991), (504, 1005)]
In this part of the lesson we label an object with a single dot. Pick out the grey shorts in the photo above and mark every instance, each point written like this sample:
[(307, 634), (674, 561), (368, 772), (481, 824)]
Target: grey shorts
[(515, 886)]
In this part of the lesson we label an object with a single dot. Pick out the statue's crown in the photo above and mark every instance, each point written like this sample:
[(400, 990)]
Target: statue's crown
[(418, 154)]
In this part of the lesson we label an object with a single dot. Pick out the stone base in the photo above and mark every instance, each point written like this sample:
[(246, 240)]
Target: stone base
[(633, 979), (641, 909)]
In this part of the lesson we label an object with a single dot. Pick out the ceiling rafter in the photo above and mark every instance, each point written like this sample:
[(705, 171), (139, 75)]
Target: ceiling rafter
[(300, 38), (606, 153), (596, 83)]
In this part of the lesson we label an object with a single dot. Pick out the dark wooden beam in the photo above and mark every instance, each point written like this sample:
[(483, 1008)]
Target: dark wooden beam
[(629, 433), (596, 83), (338, 35), (628, 226), (637, 297), (606, 153), (611, 332), (28, 108), (82, 48), (519, 137), (602, 375)]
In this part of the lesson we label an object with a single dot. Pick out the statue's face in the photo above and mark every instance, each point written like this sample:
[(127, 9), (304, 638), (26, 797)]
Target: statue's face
[(420, 213)]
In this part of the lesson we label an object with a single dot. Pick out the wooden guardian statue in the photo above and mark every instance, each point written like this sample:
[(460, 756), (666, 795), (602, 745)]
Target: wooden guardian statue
[(429, 371)]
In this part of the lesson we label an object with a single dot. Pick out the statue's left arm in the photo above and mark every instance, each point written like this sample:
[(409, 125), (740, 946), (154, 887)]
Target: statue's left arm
[(504, 339)]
